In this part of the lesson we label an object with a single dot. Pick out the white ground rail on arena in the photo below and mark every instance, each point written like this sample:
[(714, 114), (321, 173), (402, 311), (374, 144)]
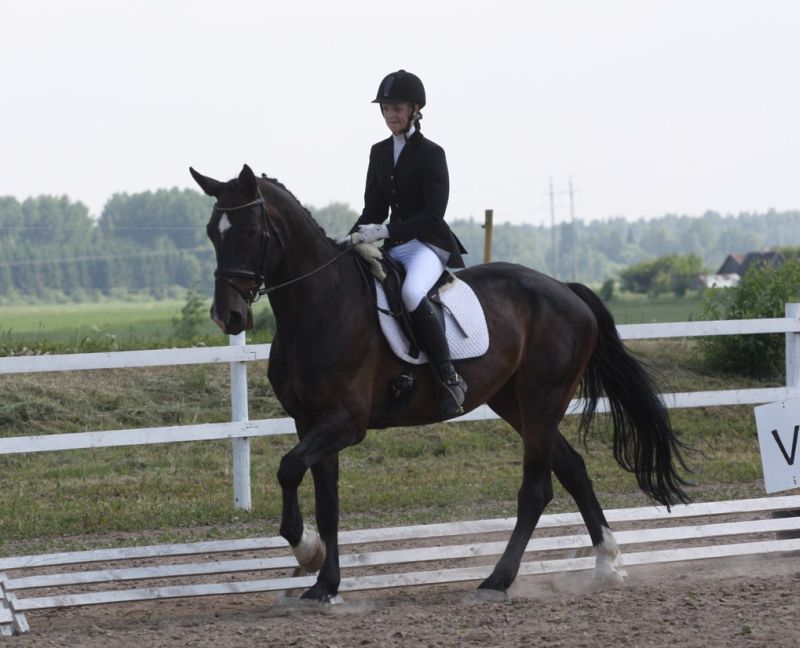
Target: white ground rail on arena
[(456, 548)]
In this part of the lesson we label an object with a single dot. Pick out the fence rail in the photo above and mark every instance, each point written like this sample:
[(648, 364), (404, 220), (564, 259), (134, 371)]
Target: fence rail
[(240, 429)]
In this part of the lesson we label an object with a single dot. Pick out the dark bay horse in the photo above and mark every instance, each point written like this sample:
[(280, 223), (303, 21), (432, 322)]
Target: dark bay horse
[(331, 369)]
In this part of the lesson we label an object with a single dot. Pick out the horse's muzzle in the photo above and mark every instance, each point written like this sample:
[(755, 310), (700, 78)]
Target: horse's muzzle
[(232, 320)]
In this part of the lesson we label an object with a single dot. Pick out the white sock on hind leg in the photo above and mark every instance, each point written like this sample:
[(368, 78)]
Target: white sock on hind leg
[(608, 565)]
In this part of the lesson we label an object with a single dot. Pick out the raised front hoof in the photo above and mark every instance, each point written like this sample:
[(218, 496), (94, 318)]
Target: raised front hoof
[(310, 551), (483, 595)]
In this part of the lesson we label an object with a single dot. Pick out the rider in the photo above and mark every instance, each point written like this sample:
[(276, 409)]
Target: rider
[(408, 174)]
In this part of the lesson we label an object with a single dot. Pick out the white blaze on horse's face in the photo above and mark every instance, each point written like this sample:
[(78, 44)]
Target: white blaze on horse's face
[(224, 225)]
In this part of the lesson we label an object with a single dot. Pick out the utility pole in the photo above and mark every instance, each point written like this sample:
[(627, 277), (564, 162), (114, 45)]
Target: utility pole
[(556, 263), (556, 270), (574, 233)]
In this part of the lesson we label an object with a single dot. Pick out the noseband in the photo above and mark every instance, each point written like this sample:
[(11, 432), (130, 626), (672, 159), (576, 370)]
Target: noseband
[(259, 278)]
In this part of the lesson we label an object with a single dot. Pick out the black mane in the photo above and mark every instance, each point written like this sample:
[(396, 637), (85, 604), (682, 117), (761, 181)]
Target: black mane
[(277, 183)]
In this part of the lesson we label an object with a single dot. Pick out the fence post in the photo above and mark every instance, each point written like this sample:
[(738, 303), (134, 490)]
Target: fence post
[(793, 350), (241, 445), (487, 235)]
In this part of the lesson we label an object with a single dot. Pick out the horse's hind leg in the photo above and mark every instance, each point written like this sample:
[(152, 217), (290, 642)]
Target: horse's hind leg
[(570, 470), (536, 490), (534, 494)]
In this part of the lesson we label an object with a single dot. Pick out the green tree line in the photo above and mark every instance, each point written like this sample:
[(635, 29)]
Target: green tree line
[(154, 243)]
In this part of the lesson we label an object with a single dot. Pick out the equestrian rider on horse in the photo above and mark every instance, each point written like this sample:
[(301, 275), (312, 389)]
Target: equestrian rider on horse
[(407, 174)]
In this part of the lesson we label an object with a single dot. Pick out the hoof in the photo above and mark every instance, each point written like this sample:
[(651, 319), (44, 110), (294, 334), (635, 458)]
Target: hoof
[(300, 602), (310, 551), (482, 595), (609, 576), (292, 605), (608, 569)]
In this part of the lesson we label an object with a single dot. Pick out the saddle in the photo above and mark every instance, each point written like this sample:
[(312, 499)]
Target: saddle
[(464, 319)]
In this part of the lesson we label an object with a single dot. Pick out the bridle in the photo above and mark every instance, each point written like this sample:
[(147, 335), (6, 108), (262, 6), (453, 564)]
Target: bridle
[(259, 286), (258, 277)]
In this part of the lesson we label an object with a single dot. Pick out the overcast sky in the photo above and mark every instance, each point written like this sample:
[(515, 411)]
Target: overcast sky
[(650, 106)]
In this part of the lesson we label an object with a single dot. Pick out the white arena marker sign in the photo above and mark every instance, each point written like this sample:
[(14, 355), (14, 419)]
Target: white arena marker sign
[(778, 427)]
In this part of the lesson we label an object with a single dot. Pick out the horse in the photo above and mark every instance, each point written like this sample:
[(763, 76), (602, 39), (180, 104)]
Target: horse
[(332, 369)]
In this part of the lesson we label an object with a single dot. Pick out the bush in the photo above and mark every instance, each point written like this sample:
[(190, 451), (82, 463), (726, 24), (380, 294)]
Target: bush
[(193, 316), (762, 293), (672, 273), (607, 290)]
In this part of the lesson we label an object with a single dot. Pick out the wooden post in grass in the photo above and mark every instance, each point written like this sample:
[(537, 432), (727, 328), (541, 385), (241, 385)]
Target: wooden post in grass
[(241, 445), (487, 235)]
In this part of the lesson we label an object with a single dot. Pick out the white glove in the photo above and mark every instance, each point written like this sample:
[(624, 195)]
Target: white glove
[(371, 233), (372, 255)]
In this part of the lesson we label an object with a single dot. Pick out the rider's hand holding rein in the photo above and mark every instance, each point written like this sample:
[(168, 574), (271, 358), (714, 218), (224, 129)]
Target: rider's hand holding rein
[(366, 234), (371, 233)]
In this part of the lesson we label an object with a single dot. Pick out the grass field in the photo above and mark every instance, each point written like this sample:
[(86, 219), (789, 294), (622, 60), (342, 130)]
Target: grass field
[(134, 324), (636, 309), (126, 322)]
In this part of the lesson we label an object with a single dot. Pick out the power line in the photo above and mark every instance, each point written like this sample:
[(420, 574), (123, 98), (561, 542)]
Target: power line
[(132, 255), (53, 228)]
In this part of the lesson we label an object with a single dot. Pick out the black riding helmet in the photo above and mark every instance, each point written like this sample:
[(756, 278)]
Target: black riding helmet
[(399, 87)]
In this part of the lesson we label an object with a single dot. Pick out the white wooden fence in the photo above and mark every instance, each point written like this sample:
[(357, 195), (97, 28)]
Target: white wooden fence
[(467, 560), (240, 429)]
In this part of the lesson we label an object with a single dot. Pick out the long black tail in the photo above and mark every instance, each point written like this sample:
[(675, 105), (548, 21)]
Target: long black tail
[(644, 442)]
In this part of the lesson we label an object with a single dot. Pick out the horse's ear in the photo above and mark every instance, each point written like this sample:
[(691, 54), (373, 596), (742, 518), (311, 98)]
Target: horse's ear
[(210, 186), (247, 181)]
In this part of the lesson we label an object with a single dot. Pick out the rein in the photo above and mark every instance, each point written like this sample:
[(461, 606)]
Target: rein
[(259, 278), (267, 290)]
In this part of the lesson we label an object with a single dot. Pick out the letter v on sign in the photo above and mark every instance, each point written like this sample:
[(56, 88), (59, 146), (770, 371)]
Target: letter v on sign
[(778, 437), (788, 456)]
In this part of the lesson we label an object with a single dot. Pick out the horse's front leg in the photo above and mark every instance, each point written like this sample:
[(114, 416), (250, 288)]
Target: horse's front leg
[(317, 450), (326, 498), (290, 475)]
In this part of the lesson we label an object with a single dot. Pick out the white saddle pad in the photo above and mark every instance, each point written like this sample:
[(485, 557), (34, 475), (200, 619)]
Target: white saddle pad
[(464, 324)]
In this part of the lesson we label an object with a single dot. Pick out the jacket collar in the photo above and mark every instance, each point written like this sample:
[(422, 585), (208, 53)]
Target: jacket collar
[(412, 142)]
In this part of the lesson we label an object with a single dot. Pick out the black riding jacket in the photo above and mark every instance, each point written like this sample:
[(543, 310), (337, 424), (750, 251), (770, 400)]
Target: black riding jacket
[(416, 191)]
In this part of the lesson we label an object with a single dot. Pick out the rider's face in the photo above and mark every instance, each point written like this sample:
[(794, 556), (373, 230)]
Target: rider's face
[(397, 116)]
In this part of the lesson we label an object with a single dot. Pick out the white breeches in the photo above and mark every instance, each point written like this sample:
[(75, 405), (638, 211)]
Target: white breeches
[(423, 267)]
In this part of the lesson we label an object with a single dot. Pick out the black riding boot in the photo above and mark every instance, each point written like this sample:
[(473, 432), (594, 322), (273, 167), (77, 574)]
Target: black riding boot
[(430, 335)]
